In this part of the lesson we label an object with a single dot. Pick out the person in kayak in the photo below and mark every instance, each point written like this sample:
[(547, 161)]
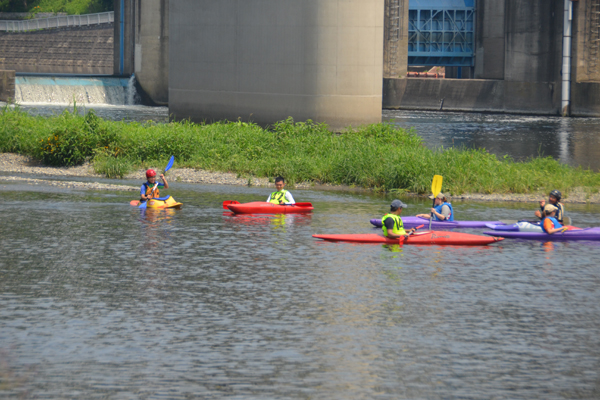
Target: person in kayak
[(392, 225), (281, 196), (442, 209), (146, 192), (554, 199), (549, 221)]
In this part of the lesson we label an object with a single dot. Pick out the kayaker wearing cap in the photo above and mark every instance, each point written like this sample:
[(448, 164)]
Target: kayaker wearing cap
[(549, 222), (554, 199), (442, 210), (146, 192), (392, 225), (281, 196)]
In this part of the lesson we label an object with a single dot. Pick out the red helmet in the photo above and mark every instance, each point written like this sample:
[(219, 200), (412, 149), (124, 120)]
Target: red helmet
[(150, 173)]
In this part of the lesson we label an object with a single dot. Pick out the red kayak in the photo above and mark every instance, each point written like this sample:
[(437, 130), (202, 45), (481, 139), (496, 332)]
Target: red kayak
[(425, 237), (262, 207)]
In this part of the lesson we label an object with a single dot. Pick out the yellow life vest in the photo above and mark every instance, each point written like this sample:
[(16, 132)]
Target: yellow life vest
[(398, 225), (276, 197)]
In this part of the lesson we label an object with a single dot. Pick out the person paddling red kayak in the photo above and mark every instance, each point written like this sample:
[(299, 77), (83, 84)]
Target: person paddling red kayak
[(281, 196), (392, 225)]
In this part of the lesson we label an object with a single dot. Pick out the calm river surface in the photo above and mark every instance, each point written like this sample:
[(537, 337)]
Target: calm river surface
[(101, 301)]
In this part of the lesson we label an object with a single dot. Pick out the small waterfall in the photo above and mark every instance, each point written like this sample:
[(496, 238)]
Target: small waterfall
[(132, 95), (82, 90)]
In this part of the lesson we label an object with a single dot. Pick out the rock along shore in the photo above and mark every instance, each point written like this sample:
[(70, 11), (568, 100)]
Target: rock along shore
[(25, 165)]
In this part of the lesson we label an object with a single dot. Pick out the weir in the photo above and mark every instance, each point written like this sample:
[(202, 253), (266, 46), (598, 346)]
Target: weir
[(82, 90)]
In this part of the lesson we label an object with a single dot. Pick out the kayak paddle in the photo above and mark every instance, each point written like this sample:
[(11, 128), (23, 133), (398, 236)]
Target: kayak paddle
[(144, 204), (228, 202), (403, 238), (436, 188)]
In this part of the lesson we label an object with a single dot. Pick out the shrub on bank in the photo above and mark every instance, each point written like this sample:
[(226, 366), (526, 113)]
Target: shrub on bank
[(378, 156)]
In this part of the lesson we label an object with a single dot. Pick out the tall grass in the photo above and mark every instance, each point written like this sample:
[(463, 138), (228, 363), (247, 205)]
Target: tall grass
[(55, 6), (374, 156)]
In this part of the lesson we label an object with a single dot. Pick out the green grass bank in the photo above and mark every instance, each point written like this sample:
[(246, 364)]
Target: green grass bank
[(55, 6), (378, 156)]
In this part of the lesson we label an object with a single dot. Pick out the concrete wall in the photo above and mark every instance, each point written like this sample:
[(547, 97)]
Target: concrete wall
[(395, 45), (152, 49), (533, 40), (82, 50), (585, 44), (266, 60), (7, 85), (519, 57), (489, 39), (470, 95)]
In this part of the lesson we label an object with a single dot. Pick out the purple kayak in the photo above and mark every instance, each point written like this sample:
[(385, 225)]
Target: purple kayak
[(412, 222), (575, 234)]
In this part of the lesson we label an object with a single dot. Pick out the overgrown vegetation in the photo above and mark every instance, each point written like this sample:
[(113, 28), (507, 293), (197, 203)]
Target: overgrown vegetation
[(377, 156), (55, 6)]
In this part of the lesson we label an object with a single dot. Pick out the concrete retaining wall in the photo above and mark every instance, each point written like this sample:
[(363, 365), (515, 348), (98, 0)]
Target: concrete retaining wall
[(152, 50), (85, 50), (585, 99), (7, 85), (479, 95), (266, 60)]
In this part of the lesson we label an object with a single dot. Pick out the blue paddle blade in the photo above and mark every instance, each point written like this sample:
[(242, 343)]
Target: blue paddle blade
[(170, 164), (143, 204)]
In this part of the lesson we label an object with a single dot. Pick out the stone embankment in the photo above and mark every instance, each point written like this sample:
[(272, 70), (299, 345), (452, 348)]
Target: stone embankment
[(25, 165), (76, 50)]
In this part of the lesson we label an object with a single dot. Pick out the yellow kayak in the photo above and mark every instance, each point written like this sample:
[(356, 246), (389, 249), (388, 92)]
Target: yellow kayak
[(161, 202)]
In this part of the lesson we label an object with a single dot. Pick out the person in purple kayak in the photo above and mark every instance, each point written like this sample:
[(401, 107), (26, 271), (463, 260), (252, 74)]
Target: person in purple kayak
[(554, 199), (549, 221), (442, 209)]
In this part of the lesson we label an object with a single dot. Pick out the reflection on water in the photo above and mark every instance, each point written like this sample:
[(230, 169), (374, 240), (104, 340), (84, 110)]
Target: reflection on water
[(574, 141), (99, 299)]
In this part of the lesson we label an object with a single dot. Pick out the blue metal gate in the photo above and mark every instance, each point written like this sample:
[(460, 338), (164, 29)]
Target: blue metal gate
[(441, 32)]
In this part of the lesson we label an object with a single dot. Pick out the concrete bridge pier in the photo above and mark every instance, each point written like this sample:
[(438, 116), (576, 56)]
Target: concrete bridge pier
[(142, 46), (266, 60)]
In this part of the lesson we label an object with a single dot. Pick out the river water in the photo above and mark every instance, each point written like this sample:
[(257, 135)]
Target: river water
[(99, 300)]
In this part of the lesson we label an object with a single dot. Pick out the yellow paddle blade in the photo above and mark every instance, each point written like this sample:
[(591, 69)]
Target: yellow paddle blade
[(436, 185)]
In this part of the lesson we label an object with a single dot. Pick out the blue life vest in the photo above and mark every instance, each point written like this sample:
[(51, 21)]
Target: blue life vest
[(439, 210), (554, 221)]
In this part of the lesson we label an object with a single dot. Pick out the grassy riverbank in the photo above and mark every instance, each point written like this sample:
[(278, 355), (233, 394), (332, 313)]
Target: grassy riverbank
[(56, 6), (376, 156)]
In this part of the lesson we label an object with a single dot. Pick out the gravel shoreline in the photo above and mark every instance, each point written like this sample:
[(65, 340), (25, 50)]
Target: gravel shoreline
[(25, 165)]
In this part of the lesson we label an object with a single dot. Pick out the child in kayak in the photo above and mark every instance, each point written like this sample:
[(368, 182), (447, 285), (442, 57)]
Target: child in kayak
[(442, 210), (146, 192), (392, 225), (554, 199), (281, 196), (549, 222)]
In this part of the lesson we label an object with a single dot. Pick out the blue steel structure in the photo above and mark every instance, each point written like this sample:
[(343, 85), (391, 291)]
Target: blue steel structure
[(441, 33)]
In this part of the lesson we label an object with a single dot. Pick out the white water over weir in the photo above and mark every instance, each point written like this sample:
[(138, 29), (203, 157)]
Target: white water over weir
[(80, 90)]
